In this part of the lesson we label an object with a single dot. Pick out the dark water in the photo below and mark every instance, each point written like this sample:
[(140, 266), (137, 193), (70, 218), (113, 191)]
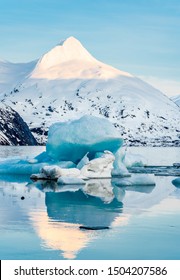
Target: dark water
[(144, 222)]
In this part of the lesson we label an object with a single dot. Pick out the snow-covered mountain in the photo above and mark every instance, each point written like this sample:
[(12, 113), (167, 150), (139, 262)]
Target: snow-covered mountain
[(13, 73), (13, 130), (68, 82), (176, 99)]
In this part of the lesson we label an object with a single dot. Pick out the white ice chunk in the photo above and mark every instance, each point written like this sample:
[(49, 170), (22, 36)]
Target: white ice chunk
[(54, 172), (99, 167), (119, 167)]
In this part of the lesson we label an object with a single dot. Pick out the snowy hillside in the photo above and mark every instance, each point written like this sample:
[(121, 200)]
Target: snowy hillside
[(176, 99), (68, 82), (13, 130), (12, 73)]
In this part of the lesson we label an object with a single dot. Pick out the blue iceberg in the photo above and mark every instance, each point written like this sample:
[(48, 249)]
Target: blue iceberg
[(72, 140), (89, 147)]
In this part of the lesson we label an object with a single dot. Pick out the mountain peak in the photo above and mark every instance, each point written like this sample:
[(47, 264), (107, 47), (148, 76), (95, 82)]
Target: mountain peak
[(70, 40), (67, 50)]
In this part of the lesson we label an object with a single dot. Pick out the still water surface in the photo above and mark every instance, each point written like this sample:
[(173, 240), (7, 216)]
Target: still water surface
[(144, 221)]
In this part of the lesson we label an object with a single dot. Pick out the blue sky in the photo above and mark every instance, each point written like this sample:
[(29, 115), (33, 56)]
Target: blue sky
[(138, 36)]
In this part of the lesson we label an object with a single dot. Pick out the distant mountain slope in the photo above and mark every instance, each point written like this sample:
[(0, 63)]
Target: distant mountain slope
[(176, 99), (13, 130), (68, 82), (13, 73)]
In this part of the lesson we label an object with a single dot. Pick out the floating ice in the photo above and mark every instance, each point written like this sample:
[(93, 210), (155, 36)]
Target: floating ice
[(119, 167), (64, 180), (73, 139), (83, 161), (28, 166), (90, 142), (99, 167), (176, 182), (14, 166), (135, 180), (96, 168), (54, 172), (81, 141), (43, 157)]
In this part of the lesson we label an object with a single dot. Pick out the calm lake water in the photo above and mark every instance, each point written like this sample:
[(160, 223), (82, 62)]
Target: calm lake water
[(144, 221)]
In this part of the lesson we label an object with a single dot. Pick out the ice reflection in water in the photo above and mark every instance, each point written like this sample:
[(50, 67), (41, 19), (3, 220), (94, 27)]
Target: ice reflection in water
[(99, 203), (69, 207)]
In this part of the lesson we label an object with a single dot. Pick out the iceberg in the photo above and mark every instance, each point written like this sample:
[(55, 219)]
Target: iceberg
[(79, 143), (96, 168), (72, 140), (77, 150)]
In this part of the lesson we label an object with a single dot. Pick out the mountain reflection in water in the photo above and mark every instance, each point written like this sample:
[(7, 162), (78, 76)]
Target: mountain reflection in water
[(56, 212), (69, 207)]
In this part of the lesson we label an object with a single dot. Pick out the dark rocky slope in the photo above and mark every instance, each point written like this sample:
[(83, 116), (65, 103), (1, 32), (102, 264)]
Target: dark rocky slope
[(13, 130)]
